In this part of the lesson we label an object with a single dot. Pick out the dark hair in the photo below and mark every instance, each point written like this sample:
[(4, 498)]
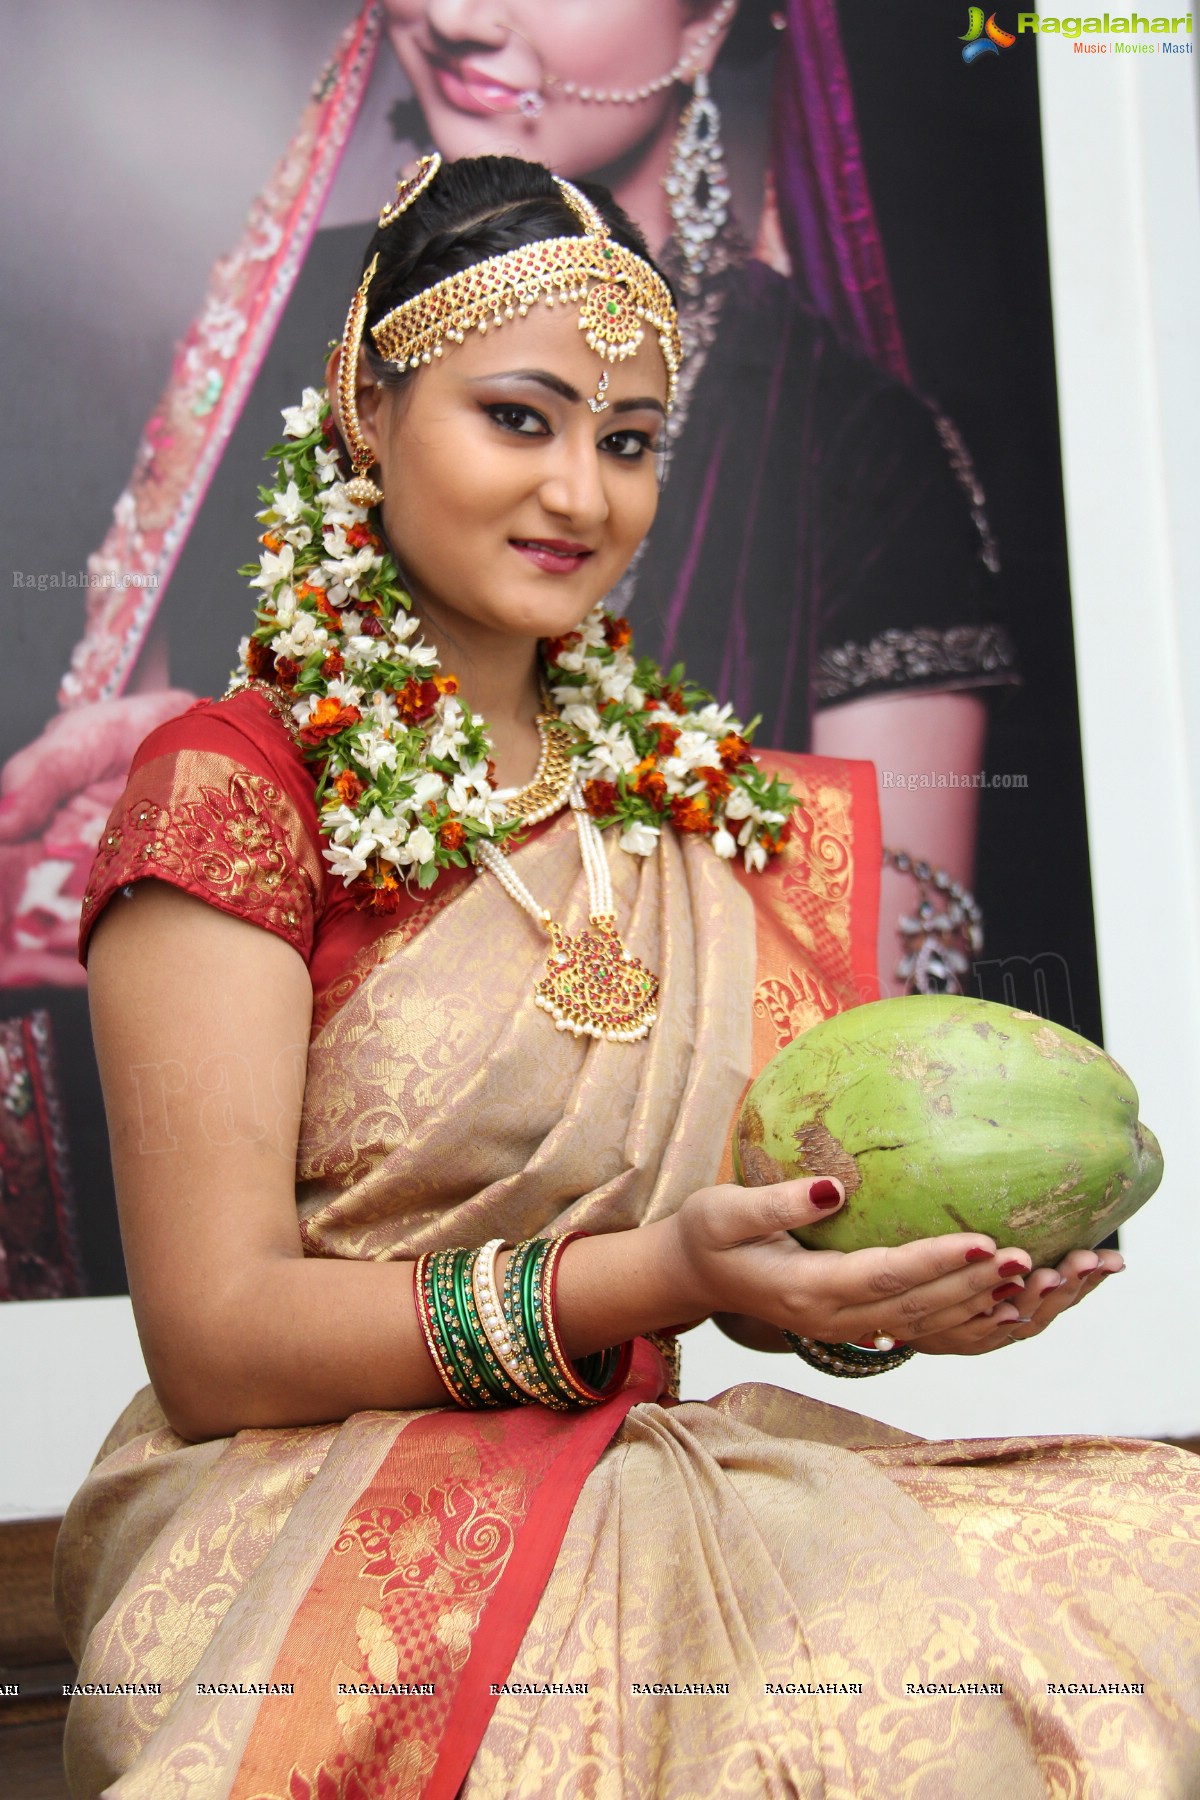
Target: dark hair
[(477, 207)]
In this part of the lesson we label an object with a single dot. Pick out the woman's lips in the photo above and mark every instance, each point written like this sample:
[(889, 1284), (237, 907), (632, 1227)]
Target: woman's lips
[(558, 557), (470, 91)]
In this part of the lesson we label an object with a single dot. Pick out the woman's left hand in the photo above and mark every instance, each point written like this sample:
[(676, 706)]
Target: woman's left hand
[(1038, 1301)]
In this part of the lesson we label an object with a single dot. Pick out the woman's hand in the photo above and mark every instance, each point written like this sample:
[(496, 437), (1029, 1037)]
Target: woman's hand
[(1038, 1301), (736, 1257)]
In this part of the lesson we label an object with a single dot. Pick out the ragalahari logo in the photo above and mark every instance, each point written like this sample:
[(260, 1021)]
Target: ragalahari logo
[(984, 38)]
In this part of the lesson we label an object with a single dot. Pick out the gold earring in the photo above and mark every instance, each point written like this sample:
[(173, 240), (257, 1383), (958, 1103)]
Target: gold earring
[(360, 488)]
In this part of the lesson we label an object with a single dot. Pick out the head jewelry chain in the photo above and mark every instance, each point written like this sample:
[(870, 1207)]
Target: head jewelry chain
[(617, 291)]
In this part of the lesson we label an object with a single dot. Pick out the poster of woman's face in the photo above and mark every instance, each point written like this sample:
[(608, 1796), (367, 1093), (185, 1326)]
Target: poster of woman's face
[(859, 539)]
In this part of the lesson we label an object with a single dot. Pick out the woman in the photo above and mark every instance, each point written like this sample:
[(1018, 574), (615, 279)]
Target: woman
[(301, 1001)]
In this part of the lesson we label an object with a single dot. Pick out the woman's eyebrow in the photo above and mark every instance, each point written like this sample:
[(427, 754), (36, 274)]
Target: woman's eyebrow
[(545, 378)]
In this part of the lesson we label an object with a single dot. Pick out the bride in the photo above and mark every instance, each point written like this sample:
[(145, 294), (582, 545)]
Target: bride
[(420, 1040)]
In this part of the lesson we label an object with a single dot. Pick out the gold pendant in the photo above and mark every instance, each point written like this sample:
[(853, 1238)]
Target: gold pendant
[(595, 987)]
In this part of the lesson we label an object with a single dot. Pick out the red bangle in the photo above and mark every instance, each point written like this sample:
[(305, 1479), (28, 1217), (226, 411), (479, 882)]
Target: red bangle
[(583, 1390)]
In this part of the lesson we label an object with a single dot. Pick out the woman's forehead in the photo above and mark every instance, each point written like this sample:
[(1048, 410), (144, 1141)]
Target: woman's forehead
[(549, 339)]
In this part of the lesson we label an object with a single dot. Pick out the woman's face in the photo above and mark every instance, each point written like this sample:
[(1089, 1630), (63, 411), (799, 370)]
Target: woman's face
[(469, 61), (509, 503)]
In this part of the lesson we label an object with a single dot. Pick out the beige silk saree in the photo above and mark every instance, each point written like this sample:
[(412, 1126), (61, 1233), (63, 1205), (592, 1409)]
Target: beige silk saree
[(757, 1595)]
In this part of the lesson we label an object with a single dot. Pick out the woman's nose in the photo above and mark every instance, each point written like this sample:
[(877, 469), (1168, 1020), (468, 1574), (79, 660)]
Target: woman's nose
[(479, 22), (574, 489)]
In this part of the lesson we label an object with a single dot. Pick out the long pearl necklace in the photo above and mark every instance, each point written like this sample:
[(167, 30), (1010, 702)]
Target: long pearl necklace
[(593, 986)]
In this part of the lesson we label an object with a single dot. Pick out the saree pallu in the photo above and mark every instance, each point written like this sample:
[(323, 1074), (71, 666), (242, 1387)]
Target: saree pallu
[(757, 1595)]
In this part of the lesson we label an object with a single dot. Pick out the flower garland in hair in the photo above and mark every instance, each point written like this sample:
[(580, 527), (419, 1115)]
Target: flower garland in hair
[(406, 782)]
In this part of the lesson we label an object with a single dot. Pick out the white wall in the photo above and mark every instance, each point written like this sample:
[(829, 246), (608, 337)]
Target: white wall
[(1121, 155)]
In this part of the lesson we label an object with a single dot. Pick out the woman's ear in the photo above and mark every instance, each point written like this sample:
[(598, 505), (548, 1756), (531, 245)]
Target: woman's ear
[(368, 395), (700, 50)]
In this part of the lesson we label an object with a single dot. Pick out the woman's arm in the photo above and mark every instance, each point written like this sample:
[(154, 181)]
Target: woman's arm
[(201, 1023), (907, 737)]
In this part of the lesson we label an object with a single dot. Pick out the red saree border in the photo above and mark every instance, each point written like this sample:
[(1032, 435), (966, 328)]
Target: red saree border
[(453, 1540)]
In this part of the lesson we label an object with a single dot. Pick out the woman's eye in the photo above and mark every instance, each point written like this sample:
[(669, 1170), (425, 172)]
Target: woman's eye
[(629, 445), (520, 419)]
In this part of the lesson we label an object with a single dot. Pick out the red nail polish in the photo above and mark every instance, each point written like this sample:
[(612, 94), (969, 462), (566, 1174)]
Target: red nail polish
[(1006, 1292), (1012, 1268), (978, 1255), (824, 1195)]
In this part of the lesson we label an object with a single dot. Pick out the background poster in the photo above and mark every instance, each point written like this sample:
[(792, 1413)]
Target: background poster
[(153, 134)]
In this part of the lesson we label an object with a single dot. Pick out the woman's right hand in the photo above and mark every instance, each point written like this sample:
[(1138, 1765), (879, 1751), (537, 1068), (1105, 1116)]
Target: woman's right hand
[(736, 1256)]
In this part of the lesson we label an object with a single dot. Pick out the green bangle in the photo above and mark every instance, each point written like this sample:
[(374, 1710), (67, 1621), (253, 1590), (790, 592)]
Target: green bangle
[(444, 1332), (515, 1315), (532, 1323), (454, 1330)]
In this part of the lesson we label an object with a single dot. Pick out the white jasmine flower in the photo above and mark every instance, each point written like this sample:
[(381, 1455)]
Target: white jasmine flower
[(343, 689), (345, 860), (421, 844), (640, 839), (384, 707), (582, 716), (299, 536), (299, 421), (427, 787), (739, 804), (572, 661), (302, 636), (723, 843), (376, 750), (755, 858), (327, 464), (422, 656), (274, 566)]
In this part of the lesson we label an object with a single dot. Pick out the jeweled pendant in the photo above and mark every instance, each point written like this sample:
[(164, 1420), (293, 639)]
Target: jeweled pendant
[(594, 987)]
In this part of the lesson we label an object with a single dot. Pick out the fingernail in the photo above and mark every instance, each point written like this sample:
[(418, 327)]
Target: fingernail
[(825, 1194), (1012, 1268), (978, 1255), (1006, 1292)]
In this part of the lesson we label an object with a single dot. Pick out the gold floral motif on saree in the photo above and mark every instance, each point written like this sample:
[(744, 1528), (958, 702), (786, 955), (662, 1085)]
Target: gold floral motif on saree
[(241, 846)]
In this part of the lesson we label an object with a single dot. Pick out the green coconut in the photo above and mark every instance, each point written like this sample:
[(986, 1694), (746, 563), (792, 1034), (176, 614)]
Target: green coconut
[(940, 1113)]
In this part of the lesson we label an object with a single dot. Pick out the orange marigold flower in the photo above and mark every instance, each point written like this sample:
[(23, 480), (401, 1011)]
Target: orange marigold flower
[(667, 735), (716, 781), (286, 671), (446, 684), (385, 893), (333, 664), (673, 697), (600, 798), (260, 660), (691, 813), (416, 699), (734, 751), (617, 633), (650, 784), (453, 835), (272, 540), (359, 536), (348, 787), (328, 717)]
